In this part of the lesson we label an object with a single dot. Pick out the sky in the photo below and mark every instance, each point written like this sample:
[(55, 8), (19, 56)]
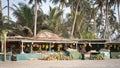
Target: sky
[(45, 7)]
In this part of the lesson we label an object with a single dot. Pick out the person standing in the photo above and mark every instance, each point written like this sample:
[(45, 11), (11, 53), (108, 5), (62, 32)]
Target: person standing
[(83, 50)]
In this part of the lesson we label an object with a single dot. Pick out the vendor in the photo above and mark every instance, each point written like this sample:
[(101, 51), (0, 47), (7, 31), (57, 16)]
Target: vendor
[(43, 47), (88, 47), (71, 48), (52, 47), (27, 48), (83, 50)]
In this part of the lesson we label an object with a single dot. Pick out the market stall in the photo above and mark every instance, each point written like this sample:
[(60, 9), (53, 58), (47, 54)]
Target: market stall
[(26, 48)]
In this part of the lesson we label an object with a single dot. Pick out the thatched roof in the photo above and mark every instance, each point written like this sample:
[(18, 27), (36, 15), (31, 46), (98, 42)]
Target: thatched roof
[(18, 38), (47, 35)]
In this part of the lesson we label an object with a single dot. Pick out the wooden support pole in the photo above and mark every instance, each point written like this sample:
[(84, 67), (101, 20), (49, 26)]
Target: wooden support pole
[(50, 47), (31, 48), (4, 49), (22, 52)]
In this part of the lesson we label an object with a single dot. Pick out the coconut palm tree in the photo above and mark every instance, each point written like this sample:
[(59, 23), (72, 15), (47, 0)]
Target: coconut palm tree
[(35, 18), (75, 6), (118, 10), (100, 5), (109, 15), (54, 20), (62, 4), (3, 32), (107, 27), (8, 10), (94, 11), (25, 16), (82, 25), (116, 3), (106, 4), (4, 36), (1, 23)]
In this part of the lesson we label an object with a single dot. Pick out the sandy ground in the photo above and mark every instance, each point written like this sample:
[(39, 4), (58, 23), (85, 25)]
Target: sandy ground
[(111, 63)]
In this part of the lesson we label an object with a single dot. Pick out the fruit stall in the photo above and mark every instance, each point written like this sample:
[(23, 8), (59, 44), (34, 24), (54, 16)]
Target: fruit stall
[(50, 49), (26, 48)]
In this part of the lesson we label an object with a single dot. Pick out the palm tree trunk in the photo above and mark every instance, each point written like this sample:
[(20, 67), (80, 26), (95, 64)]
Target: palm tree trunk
[(8, 10), (4, 34), (35, 21), (107, 23), (1, 40), (1, 23), (74, 21), (118, 13), (62, 13), (95, 24), (4, 46), (106, 20)]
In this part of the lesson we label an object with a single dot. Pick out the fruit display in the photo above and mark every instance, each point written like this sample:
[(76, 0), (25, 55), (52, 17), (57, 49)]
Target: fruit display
[(98, 57), (57, 56)]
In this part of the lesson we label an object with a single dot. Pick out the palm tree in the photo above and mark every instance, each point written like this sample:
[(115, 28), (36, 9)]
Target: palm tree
[(8, 10), (24, 15), (107, 26), (1, 23), (106, 4), (109, 15), (93, 13), (100, 4), (62, 4), (82, 25), (100, 26), (35, 21), (24, 20), (3, 33), (54, 19), (118, 10), (74, 20), (4, 36), (100, 20), (117, 3), (112, 24)]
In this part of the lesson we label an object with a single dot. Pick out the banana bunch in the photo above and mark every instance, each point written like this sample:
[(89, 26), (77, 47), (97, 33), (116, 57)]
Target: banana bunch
[(56, 57), (98, 57)]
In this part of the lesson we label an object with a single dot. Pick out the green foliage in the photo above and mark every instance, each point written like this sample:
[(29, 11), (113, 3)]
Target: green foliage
[(25, 18), (54, 19), (88, 36), (87, 10), (24, 14)]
